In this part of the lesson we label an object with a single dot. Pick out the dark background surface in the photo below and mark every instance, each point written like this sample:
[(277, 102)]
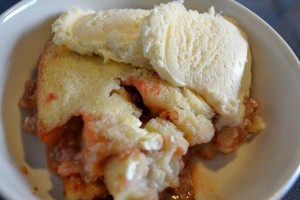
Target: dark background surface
[(282, 15)]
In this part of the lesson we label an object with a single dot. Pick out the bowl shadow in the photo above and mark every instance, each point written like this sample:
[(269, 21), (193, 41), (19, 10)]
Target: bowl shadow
[(33, 148), (223, 159), (219, 162)]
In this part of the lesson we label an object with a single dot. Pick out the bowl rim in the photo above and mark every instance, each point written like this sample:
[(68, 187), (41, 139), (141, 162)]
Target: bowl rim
[(283, 189)]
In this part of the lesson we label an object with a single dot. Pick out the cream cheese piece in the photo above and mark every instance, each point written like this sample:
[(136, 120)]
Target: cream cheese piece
[(113, 34), (205, 52)]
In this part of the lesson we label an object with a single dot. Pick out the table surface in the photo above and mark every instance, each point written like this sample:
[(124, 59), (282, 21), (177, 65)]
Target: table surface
[(282, 15)]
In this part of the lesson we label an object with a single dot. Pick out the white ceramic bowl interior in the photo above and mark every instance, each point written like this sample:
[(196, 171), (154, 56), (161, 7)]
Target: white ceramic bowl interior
[(263, 168)]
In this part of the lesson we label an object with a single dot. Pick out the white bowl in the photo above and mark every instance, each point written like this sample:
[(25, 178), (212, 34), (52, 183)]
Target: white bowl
[(264, 168)]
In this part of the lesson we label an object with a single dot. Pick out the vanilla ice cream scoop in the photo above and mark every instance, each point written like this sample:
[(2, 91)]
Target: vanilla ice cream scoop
[(113, 34), (205, 52)]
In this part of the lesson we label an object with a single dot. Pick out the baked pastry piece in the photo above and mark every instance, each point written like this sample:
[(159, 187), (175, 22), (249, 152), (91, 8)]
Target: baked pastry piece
[(136, 159)]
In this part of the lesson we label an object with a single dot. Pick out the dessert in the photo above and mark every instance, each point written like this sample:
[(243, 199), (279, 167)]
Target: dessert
[(121, 104), (205, 52)]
